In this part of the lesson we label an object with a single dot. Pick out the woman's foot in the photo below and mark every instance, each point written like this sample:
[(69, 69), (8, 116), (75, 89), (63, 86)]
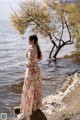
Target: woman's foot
[(20, 116)]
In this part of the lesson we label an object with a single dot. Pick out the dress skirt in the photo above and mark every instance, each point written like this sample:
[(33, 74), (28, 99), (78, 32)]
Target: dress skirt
[(31, 99)]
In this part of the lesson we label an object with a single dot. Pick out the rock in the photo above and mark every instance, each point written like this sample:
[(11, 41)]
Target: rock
[(66, 101), (36, 115), (17, 110), (64, 105)]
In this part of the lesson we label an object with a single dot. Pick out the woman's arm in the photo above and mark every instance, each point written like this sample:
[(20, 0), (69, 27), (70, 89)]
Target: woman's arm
[(29, 57)]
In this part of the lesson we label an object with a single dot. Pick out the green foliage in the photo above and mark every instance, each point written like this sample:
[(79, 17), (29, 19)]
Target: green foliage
[(74, 20), (18, 21), (49, 19), (74, 13), (32, 13)]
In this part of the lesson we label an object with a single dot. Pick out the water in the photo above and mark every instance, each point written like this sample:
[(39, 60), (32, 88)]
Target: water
[(12, 65)]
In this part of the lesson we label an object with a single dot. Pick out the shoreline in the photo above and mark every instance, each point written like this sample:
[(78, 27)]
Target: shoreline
[(64, 105)]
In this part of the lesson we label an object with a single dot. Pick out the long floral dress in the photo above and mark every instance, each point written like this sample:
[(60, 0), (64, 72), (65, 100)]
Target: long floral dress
[(31, 99)]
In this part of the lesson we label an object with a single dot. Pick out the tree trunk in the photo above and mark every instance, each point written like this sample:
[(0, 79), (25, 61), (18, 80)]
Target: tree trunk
[(51, 51), (57, 51)]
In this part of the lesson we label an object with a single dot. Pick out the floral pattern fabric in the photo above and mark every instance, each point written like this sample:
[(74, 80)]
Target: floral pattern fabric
[(31, 98)]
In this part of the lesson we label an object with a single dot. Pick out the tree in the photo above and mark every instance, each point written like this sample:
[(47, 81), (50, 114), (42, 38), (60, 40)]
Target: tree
[(74, 20), (48, 19)]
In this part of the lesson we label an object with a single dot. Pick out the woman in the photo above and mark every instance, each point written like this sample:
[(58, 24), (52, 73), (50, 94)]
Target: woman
[(31, 93)]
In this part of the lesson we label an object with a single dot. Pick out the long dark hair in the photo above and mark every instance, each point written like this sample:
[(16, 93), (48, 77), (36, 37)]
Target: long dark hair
[(35, 38)]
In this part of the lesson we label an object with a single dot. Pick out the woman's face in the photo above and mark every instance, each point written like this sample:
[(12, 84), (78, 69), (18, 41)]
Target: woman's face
[(31, 42)]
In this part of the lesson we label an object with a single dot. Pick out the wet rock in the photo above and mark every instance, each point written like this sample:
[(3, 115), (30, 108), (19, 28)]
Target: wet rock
[(17, 110), (67, 100), (64, 105), (65, 117), (36, 115)]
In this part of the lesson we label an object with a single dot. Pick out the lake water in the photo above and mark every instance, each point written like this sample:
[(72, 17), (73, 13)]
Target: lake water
[(12, 65)]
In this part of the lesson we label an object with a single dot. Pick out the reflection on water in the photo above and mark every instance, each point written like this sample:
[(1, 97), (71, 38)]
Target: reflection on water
[(12, 67)]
